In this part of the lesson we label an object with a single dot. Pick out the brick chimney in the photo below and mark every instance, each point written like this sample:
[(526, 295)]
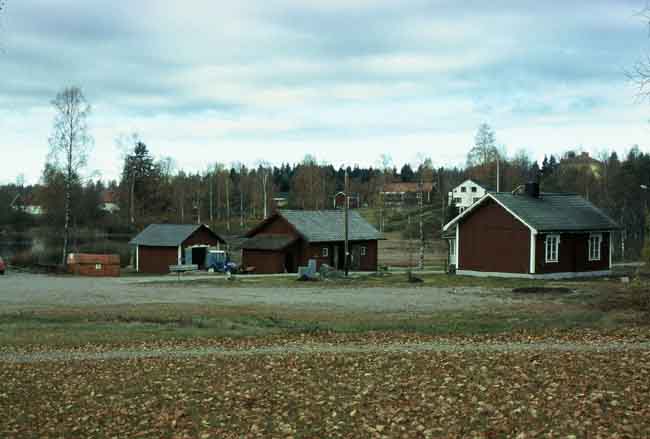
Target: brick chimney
[(532, 189)]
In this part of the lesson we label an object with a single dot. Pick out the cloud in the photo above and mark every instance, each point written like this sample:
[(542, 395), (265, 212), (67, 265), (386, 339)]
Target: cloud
[(345, 80)]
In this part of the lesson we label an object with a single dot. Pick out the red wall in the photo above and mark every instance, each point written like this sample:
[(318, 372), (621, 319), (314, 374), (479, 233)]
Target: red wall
[(573, 254), (264, 261), (156, 260), (492, 240), (364, 263)]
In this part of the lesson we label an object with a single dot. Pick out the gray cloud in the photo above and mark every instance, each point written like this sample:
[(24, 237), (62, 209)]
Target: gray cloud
[(339, 70)]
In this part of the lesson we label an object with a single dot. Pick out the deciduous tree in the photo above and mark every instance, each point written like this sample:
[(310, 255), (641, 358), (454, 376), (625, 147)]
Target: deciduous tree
[(70, 144)]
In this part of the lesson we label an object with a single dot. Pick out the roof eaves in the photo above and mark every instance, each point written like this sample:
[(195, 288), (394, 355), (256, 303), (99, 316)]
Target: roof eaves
[(465, 212), (521, 220)]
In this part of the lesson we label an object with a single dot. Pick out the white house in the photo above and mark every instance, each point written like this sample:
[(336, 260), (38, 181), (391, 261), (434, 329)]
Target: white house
[(466, 194), (109, 202)]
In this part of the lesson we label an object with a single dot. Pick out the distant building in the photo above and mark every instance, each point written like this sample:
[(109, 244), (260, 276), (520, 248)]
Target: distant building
[(466, 194), (582, 162), (280, 200), (26, 204), (339, 201), (406, 193), (109, 202)]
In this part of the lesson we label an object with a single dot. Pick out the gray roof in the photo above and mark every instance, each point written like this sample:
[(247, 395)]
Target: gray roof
[(166, 235), (554, 212), (328, 225), (267, 242)]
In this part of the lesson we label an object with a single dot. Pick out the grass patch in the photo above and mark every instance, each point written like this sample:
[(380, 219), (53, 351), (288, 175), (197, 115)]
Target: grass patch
[(131, 325)]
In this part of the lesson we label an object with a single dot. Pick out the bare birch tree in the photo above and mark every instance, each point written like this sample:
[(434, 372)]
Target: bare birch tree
[(484, 150), (70, 145)]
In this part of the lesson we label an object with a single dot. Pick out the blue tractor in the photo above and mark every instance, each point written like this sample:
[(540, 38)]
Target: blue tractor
[(218, 260)]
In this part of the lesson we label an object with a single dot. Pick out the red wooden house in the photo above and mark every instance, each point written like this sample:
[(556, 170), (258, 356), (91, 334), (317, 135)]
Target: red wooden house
[(289, 238), (531, 235)]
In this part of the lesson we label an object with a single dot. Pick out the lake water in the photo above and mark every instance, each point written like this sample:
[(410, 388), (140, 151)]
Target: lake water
[(45, 248)]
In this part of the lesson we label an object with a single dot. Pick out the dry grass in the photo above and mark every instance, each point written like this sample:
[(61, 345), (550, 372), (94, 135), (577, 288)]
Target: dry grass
[(398, 252)]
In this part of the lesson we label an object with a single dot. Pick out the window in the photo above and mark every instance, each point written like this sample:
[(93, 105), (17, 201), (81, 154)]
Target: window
[(595, 241), (463, 189), (364, 250), (552, 247), (325, 252), (452, 247), (457, 200), (473, 188)]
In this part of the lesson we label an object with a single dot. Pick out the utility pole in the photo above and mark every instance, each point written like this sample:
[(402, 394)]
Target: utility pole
[(241, 206), (498, 176), (211, 176), (198, 207), (266, 203), (228, 202), (346, 246), (421, 207)]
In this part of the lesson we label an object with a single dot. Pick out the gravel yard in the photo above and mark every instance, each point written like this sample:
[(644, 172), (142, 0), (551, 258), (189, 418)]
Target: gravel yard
[(22, 291)]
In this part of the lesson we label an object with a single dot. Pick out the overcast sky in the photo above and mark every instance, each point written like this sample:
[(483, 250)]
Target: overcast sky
[(344, 80)]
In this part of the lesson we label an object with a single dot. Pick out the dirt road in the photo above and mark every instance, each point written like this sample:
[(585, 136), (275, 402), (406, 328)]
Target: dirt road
[(28, 291), (319, 348)]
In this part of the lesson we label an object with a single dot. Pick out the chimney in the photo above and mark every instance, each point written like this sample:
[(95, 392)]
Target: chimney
[(532, 189)]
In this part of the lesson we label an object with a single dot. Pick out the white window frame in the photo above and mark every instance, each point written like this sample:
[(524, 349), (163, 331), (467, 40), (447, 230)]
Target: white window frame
[(325, 252), (594, 253), (363, 251), (452, 247), (552, 248)]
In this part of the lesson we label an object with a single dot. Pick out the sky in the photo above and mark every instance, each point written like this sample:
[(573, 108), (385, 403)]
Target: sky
[(205, 81)]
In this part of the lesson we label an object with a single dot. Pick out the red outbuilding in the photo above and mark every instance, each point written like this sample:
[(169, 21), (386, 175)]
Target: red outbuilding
[(531, 234), (290, 238), (160, 245)]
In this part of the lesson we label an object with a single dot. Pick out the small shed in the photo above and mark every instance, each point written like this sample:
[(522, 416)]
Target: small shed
[(160, 245), (532, 235), (290, 238), (86, 264)]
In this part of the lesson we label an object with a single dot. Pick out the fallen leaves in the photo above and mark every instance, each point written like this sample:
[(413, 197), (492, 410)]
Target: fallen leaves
[(327, 394)]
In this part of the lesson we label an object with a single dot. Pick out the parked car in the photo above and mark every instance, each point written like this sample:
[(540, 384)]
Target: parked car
[(3, 267)]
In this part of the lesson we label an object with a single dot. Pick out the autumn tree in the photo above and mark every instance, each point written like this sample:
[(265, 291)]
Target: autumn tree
[(308, 190), (70, 144)]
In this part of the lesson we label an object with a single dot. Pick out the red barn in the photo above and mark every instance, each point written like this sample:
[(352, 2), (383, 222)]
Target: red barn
[(161, 245), (289, 238), (531, 235)]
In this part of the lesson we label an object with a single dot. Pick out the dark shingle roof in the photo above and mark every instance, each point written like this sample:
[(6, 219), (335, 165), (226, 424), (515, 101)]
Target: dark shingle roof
[(328, 225), (166, 235), (267, 242), (556, 212)]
